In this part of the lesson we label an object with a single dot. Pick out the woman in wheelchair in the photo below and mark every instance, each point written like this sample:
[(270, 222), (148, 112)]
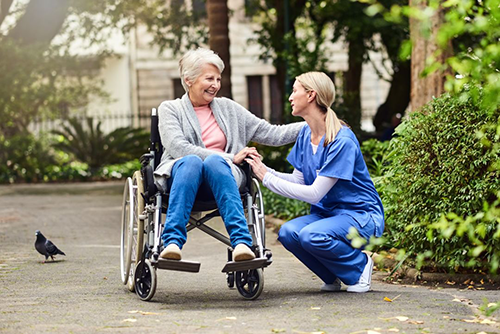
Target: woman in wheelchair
[(330, 173), (205, 139)]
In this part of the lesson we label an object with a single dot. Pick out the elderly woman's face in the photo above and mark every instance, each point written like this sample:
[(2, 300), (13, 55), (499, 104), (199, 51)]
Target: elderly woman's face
[(203, 90)]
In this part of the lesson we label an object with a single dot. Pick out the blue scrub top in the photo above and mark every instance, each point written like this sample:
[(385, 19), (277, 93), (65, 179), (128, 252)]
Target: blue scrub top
[(354, 193)]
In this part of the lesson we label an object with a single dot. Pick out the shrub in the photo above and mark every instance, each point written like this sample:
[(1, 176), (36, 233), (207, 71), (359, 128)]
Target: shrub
[(440, 165), (88, 144), (282, 207), (23, 158)]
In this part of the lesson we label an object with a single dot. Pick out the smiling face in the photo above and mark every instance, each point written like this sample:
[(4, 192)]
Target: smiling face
[(203, 90), (299, 99)]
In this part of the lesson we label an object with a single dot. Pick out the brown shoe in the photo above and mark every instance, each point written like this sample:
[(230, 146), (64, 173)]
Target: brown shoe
[(171, 252), (243, 253)]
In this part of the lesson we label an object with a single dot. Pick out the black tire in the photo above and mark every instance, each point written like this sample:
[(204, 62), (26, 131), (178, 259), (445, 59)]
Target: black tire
[(250, 283), (126, 233), (145, 280), (137, 226)]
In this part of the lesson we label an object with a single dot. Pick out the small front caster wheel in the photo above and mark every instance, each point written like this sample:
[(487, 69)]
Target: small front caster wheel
[(145, 280), (250, 283)]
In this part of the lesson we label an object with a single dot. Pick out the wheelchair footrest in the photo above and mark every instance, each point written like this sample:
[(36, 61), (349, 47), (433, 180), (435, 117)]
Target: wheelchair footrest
[(246, 265), (179, 265)]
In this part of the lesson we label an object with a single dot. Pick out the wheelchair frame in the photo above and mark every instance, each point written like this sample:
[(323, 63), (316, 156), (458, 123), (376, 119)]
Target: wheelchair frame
[(142, 224)]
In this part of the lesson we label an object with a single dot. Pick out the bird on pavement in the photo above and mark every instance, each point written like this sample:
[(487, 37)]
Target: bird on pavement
[(45, 247)]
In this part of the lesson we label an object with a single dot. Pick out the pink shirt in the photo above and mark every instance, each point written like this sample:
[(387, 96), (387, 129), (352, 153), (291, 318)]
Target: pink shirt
[(211, 134)]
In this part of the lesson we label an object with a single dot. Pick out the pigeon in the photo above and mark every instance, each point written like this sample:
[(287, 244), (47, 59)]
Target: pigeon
[(46, 247)]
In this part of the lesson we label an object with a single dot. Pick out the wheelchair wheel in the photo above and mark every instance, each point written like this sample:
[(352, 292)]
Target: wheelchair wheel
[(145, 280), (137, 227), (126, 234), (250, 283), (258, 211)]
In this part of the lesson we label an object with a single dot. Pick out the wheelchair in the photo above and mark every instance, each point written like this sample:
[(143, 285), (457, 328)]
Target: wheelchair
[(144, 204)]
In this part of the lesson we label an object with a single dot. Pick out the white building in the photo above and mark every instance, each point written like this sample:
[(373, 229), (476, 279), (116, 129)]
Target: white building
[(141, 79)]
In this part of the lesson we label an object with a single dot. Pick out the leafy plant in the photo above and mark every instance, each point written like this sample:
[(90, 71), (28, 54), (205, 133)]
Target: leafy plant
[(88, 144), (24, 158), (282, 207), (441, 165)]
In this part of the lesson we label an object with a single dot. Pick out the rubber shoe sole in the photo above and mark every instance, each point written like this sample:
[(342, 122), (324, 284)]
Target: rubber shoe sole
[(365, 281), (243, 253), (171, 252)]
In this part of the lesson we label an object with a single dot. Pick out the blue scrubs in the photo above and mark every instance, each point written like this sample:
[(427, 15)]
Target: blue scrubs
[(319, 240)]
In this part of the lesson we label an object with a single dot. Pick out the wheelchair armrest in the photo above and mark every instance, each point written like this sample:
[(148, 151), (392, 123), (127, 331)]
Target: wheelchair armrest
[(146, 158), (248, 173)]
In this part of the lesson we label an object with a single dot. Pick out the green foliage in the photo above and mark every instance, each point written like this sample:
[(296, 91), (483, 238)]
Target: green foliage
[(440, 164), (88, 144), (24, 158), (282, 207), (35, 86), (473, 28), (376, 155)]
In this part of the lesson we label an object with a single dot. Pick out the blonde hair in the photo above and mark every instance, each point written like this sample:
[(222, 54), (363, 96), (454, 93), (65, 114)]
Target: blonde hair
[(325, 95), (191, 63)]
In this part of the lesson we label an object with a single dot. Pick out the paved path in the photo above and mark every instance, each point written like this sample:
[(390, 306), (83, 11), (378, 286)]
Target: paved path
[(82, 292)]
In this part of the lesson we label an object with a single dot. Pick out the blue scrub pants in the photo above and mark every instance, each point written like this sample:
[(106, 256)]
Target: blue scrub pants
[(192, 178), (320, 242)]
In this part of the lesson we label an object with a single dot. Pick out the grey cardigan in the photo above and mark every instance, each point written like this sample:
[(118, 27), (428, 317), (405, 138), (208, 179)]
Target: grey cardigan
[(180, 133)]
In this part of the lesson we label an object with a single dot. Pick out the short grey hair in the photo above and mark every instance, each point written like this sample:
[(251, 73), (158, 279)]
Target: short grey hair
[(191, 63)]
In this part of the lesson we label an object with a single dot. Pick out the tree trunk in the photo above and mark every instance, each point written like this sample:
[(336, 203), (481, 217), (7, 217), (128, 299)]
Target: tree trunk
[(218, 25), (41, 22), (424, 88), (352, 96)]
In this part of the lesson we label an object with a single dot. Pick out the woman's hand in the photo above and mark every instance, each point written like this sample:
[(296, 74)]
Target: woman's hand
[(258, 168), (241, 155)]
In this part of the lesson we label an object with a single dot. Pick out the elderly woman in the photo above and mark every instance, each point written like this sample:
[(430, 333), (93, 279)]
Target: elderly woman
[(205, 138)]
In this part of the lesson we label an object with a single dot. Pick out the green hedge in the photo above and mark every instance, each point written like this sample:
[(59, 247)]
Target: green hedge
[(442, 165)]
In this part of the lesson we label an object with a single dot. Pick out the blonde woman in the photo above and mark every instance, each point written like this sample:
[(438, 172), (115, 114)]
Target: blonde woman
[(331, 175)]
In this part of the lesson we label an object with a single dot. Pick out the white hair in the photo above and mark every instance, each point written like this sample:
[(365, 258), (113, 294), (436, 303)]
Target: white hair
[(191, 63)]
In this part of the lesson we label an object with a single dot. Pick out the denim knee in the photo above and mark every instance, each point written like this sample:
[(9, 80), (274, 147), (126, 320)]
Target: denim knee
[(192, 161), (214, 161)]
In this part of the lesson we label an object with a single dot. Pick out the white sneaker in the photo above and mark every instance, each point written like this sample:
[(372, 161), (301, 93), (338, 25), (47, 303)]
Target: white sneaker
[(365, 280), (333, 287), (171, 252), (242, 253)]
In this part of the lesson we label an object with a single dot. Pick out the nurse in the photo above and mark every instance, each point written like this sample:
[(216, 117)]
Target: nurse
[(330, 174)]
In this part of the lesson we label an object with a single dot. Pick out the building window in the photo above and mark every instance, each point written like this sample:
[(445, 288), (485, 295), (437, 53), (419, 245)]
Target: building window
[(255, 98)]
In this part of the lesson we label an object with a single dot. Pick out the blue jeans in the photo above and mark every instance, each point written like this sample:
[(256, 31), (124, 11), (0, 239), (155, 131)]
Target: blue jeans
[(320, 242), (191, 178)]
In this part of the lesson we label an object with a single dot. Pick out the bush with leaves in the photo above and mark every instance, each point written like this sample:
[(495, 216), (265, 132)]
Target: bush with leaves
[(441, 165), (89, 144), (282, 207), (23, 158)]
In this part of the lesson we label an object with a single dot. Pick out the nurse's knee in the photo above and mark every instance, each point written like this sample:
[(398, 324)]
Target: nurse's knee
[(314, 241), (287, 234)]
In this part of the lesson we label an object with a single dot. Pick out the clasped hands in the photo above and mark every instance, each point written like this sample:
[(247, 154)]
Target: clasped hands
[(254, 159)]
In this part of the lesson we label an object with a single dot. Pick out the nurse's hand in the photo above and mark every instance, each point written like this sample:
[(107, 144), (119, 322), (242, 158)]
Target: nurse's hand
[(241, 155), (258, 168)]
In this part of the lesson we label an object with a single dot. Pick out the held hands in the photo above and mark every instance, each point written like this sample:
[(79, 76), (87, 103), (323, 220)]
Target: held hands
[(241, 155), (258, 168)]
